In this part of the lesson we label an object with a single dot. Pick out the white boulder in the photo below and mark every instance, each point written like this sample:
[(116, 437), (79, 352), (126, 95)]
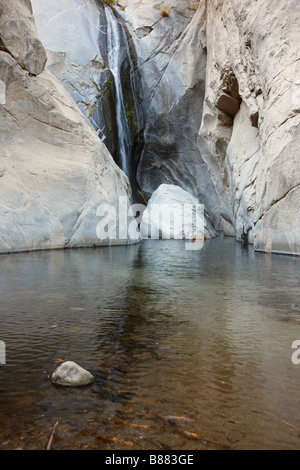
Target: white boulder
[(173, 213), (71, 374)]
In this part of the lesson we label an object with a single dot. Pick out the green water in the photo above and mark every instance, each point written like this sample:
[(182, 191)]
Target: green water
[(189, 349)]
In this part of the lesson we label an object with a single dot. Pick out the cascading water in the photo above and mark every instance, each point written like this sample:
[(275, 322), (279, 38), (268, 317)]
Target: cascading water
[(101, 74), (116, 48), (111, 96)]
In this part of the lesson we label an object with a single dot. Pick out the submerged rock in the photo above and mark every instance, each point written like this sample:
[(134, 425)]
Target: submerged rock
[(173, 213), (71, 374)]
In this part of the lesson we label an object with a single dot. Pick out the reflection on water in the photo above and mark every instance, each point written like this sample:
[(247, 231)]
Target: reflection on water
[(189, 349)]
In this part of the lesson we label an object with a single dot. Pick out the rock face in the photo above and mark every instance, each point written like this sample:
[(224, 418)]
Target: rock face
[(246, 162), (87, 47), (71, 374), (70, 31), (242, 157), (221, 108), (249, 137), (54, 170), (18, 35), (173, 213), (245, 168), (171, 52)]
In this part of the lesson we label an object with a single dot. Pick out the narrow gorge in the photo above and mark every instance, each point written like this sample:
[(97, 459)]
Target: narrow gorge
[(161, 140), (205, 97)]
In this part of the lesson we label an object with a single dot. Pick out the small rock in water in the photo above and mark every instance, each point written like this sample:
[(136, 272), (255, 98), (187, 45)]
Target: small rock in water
[(71, 374)]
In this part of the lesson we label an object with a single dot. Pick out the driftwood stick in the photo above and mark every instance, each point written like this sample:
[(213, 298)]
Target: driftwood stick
[(289, 424), (50, 442)]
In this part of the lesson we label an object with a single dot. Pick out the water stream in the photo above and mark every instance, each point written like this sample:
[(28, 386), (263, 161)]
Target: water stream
[(117, 46), (190, 350)]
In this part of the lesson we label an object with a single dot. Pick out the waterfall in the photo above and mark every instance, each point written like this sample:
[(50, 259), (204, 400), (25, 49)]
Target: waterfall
[(116, 48)]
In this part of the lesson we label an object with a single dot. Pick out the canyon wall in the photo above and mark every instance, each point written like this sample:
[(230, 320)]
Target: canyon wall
[(171, 58), (54, 170), (249, 136), (227, 71), (91, 54), (211, 99)]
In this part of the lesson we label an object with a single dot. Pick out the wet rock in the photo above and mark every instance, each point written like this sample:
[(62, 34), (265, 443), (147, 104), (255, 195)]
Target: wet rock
[(71, 374)]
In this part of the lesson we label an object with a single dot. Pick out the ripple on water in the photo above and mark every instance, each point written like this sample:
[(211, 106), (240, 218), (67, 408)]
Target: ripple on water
[(188, 349)]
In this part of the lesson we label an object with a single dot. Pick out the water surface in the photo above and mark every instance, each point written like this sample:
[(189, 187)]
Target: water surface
[(189, 349)]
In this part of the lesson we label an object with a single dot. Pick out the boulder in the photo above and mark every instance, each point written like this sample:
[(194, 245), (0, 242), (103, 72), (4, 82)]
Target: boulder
[(71, 374), (173, 213), (228, 104)]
